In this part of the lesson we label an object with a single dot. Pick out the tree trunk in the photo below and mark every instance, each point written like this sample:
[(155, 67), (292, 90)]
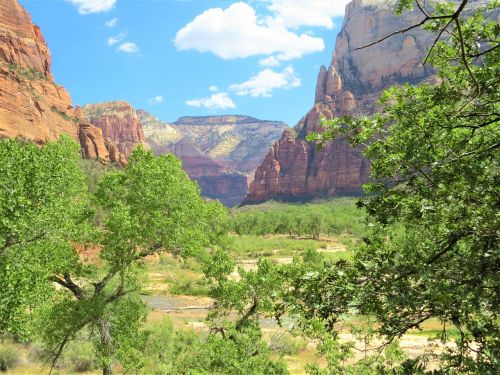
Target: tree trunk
[(106, 345)]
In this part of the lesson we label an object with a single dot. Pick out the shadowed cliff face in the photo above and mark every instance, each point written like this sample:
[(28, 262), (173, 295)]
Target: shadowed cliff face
[(216, 151), (32, 105), (293, 169)]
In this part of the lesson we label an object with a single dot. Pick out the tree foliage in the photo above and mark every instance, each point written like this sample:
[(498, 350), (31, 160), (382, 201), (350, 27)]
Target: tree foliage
[(433, 251), (48, 223)]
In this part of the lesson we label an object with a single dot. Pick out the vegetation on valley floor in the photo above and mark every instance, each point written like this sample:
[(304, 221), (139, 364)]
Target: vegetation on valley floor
[(335, 217)]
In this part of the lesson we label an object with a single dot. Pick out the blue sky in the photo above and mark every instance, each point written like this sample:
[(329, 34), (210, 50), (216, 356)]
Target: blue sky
[(191, 57)]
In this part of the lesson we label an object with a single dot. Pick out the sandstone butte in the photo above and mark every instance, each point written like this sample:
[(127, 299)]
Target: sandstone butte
[(293, 169), (32, 105)]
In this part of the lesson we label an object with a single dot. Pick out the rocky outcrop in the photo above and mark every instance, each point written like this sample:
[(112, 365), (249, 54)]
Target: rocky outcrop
[(32, 105), (120, 127), (22, 42), (216, 181), (219, 152), (240, 142), (294, 169)]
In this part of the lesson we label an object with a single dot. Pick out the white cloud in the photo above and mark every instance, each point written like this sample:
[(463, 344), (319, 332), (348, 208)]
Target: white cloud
[(128, 47), (112, 40), (213, 88), (93, 6), (214, 101), (266, 81), (296, 13), (156, 100), (112, 22), (236, 32), (269, 61)]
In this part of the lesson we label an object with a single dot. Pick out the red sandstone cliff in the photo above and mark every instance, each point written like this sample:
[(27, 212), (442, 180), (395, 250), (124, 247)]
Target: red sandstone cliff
[(32, 105), (120, 127), (294, 169)]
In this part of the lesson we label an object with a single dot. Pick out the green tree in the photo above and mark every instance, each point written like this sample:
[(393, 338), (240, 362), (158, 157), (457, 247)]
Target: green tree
[(315, 224), (149, 206), (433, 251), (284, 224), (235, 344), (43, 206)]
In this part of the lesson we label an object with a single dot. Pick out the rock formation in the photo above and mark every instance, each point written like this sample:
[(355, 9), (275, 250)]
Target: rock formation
[(216, 180), (294, 169), (32, 105), (240, 142), (120, 127)]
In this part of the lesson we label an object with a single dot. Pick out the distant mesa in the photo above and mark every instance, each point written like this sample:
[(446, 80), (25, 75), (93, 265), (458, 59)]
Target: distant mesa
[(219, 152), (239, 142)]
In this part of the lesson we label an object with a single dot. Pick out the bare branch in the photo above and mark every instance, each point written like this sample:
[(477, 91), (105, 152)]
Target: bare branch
[(464, 58), (422, 9), (59, 352), (101, 284), (395, 33), (249, 313), (436, 40), (484, 52), (427, 18)]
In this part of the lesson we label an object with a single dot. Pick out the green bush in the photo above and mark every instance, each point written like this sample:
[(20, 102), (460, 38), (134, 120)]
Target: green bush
[(31, 74), (283, 343), (163, 345), (9, 357), (80, 357), (256, 245), (190, 287)]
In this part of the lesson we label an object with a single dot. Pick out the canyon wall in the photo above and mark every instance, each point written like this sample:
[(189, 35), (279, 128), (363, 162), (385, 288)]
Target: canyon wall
[(120, 127), (240, 142), (216, 180), (294, 170), (32, 105)]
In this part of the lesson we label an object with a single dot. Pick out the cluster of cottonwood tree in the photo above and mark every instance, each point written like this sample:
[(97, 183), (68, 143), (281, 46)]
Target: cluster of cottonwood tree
[(329, 218)]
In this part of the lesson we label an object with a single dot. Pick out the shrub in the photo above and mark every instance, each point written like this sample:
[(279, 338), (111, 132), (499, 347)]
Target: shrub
[(190, 287), (284, 343), (9, 357), (80, 357)]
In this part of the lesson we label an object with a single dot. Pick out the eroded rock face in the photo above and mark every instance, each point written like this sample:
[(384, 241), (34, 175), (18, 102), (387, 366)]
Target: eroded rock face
[(21, 42), (120, 127), (216, 180), (219, 152), (240, 142), (32, 105), (294, 169)]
